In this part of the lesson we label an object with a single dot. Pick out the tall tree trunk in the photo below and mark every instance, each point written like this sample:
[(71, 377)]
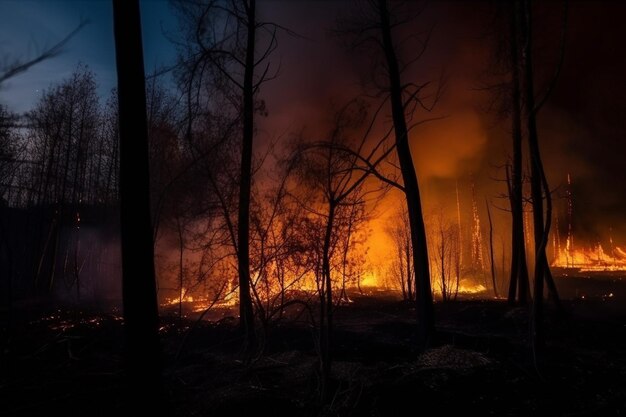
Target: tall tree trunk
[(246, 312), (540, 229), (458, 220), (444, 290), (181, 267), (409, 273), (423, 293), (491, 257), (519, 267), (326, 322), (138, 278), (402, 270)]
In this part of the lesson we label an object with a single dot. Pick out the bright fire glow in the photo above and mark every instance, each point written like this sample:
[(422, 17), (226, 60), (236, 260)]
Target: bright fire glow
[(469, 288), (370, 279), (591, 259), (199, 303)]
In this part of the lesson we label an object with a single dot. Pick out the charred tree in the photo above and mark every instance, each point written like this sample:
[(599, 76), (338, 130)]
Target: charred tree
[(138, 277), (246, 311), (536, 185), (423, 292), (538, 181), (491, 255), (518, 284)]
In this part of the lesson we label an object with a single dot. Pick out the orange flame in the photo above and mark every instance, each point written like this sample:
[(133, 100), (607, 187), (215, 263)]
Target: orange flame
[(590, 259)]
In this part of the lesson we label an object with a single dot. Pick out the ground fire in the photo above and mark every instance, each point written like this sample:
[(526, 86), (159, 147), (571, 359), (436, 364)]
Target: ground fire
[(312, 208)]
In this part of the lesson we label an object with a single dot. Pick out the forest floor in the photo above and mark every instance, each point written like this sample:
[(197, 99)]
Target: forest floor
[(69, 363)]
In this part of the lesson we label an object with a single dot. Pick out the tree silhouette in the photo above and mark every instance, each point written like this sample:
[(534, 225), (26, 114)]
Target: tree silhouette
[(539, 188), (139, 289), (423, 292), (12, 68), (518, 284), (228, 46)]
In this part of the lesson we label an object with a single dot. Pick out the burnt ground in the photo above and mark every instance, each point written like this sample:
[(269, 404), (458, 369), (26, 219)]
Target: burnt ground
[(69, 363)]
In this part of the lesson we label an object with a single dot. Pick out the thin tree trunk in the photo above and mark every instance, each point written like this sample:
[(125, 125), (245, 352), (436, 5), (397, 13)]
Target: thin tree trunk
[(444, 290), (409, 273), (519, 267), (537, 331), (76, 265), (181, 251), (491, 257), (343, 295), (246, 312), (326, 322), (423, 292), (458, 220), (402, 270)]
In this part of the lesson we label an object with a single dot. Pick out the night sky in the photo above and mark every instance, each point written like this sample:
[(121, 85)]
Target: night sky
[(583, 126), (28, 26)]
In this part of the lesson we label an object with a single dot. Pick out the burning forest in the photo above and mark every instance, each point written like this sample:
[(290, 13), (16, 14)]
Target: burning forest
[(225, 207)]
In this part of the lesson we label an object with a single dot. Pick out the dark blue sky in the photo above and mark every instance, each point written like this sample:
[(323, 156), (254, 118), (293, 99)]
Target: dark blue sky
[(27, 26)]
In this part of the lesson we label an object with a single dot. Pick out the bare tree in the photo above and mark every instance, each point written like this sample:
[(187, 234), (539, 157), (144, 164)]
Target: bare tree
[(519, 269), (538, 181), (492, 261), (13, 67), (8, 170), (225, 36), (334, 172), (446, 256), (65, 159), (276, 243), (9, 151), (402, 266), (426, 318), (377, 25)]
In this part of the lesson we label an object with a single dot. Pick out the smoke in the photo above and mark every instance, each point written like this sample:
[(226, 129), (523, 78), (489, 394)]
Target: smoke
[(450, 147), (581, 127)]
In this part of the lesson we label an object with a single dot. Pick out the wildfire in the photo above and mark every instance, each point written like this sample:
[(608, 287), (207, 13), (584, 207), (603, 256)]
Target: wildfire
[(469, 288), (585, 259), (370, 282), (370, 279), (592, 259), (199, 303)]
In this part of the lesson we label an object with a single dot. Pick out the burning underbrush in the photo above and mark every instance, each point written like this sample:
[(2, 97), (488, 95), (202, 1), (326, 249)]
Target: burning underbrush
[(190, 303), (591, 259)]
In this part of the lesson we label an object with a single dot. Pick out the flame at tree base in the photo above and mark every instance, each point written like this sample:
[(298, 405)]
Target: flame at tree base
[(194, 302)]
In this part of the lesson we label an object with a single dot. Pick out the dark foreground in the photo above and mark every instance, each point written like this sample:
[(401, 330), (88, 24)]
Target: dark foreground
[(68, 363)]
